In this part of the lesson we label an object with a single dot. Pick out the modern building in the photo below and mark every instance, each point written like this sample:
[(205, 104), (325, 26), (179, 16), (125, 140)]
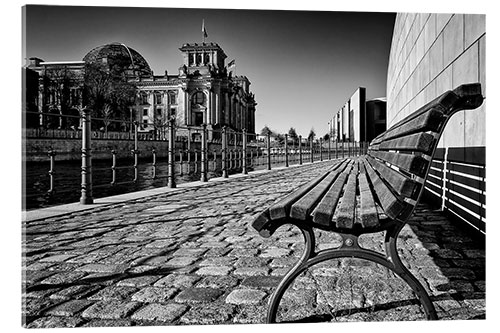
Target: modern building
[(360, 120), (203, 91), (431, 54)]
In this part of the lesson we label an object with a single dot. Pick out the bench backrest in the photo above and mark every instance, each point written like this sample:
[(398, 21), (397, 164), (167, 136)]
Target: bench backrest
[(398, 160)]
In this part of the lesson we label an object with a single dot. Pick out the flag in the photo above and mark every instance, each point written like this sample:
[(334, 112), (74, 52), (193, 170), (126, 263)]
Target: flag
[(232, 63), (204, 30)]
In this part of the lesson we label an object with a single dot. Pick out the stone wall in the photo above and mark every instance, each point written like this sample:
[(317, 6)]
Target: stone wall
[(433, 53)]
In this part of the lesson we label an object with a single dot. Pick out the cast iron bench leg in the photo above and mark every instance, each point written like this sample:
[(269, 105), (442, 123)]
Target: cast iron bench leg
[(351, 249)]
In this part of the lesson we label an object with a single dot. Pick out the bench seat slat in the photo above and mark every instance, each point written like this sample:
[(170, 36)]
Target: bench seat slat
[(368, 210), (301, 209), (282, 208), (420, 142), (391, 205), (430, 120), (401, 184), (414, 164), (323, 213), (345, 211)]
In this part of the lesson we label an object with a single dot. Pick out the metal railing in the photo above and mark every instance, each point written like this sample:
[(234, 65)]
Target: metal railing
[(170, 154)]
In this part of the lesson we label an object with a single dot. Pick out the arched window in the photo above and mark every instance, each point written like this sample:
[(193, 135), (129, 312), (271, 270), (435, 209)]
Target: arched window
[(143, 98), (172, 98), (158, 97), (198, 98)]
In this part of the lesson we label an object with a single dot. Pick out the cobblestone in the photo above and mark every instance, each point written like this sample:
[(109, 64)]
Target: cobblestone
[(131, 264), (160, 312)]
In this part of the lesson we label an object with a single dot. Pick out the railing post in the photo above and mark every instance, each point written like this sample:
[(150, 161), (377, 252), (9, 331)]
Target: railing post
[(171, 153), (244, 138), (268, 137), (336, 148), (300, 149), (86, 189), (52, 155), (321, 149), (224, 152), (311, 145), (153, 151), (113, 167), (286, 150), (204, 153), (135, 152), (329, 148)]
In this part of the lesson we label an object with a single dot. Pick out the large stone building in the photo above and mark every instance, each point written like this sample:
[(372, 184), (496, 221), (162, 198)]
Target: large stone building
[(203, 91)]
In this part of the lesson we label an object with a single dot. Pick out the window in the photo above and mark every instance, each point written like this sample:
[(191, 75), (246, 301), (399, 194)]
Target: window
[(145, 112), (172, 98), (198, 98), (158, 98), (158, 112), (172, 111), (143, 98)]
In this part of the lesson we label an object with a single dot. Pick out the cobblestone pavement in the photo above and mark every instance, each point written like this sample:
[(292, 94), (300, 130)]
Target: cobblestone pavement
[(191, 257)]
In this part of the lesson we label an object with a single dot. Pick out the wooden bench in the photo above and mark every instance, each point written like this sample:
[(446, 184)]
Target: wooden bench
[(371, 193)]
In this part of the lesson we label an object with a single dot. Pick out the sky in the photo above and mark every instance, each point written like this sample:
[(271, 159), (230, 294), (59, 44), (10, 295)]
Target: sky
[(302, 65)]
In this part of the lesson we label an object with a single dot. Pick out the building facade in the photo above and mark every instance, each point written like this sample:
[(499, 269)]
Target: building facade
[(431, 54), (204, 91)]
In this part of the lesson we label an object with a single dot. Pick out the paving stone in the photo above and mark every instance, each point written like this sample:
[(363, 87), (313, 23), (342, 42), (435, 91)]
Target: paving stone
[(251, 315), (181, 261), (154, 294), (251, 262), (102, 268), (221, 282), (217, 261), (208, 314), (217, 252), (190, 252), (113, 293), (245, 296), (214, 270), (56, 322), (243, 252), (140, 281), (474, 254), (197, 295), (34, 306), (275, 253), (283, 262), (177, 281), (108, 323), (458, 273), (57, 258), (161, 243), (75, 292), (41, 292), (447, 254), (154, 312), (261, 281), (63, 278), (251, 271), (69, 308), (35, 276), (110, 309)]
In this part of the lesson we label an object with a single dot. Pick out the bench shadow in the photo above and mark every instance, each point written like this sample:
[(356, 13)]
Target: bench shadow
[(455, 274)]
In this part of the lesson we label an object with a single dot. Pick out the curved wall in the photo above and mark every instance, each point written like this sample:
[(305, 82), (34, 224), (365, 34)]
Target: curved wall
[(433, 53)]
